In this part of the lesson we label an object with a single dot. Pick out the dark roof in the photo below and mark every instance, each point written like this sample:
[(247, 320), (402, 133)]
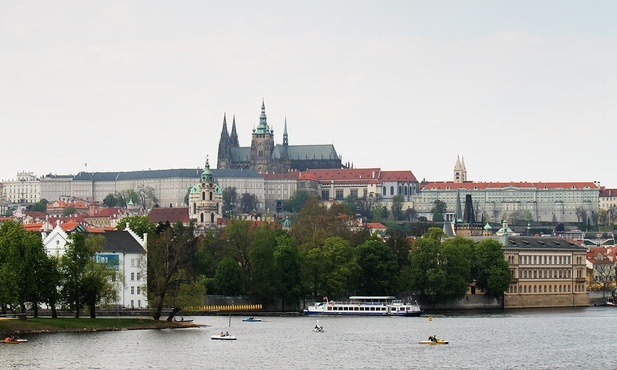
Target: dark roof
[(541, 242), (121, 241), (190, 173), (310, 152)]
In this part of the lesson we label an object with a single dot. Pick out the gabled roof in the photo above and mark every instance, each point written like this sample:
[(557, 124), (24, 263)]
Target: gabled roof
[(173, 215), (397, 176), (121, 241)]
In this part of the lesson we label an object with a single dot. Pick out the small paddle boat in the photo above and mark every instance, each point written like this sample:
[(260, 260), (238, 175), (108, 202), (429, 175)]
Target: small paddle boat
[(435, 341), (14, 340), (251, 319), (223, 336)]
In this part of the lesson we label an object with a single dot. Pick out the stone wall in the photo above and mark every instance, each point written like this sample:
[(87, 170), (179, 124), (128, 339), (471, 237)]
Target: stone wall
[(546, 300)]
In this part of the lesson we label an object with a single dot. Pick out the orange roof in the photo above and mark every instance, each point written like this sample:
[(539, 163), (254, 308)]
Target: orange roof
[(405, 176), (374, 225), (173, 215), (450, 185)]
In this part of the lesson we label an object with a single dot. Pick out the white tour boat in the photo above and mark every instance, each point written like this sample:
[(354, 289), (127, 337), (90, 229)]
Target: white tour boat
[(365, 306)]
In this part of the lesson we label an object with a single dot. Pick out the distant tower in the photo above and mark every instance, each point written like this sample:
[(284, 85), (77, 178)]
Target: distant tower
[(205, 201), (460, 172), (262, 144), (285, 137), (224, 154), (233, 138)]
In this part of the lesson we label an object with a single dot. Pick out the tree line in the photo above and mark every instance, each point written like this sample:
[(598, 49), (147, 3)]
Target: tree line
[(325, 253)]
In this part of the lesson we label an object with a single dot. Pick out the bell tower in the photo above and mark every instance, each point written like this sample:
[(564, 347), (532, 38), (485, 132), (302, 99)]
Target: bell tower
[(262, 144)]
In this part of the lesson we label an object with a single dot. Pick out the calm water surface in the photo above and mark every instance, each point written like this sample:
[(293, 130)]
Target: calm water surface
[(584, 338)]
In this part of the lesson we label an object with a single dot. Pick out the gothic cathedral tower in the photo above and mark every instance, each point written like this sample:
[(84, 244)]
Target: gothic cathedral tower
[(262, 144), (460, 172)]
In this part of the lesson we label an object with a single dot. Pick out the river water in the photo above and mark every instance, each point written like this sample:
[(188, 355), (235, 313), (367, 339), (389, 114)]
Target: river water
[(575, 338)]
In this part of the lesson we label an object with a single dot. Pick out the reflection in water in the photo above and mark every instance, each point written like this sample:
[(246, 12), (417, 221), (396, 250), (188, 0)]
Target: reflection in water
[(537, 339)]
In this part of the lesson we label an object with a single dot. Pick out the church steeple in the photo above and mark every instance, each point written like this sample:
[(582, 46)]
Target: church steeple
[(233, 138), (460, 172), (224, 153), (285, 137), (263, 128)]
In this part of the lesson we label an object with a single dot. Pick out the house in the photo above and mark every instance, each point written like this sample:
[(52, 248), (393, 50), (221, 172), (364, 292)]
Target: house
[(124, 252)]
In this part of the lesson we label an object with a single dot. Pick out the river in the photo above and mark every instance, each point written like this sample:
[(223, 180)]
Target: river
[(573, 338)]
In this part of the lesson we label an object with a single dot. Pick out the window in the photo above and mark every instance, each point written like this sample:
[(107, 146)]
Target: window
[(138, 290), (138, 276), (132, 290), (339, 194), (132, 276), (325, 194)]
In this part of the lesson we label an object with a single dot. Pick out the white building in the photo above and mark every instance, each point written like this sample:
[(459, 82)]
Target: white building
[(125, 253)]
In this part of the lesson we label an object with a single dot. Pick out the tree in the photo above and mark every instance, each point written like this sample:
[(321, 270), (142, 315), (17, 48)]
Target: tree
[(316, 223), (490, 268), (114, 200), (297, 200), (397, 207), (426, 276), (68, 211), (74, 263), (329, 268), (439, 210), (248, 203), (350, 204), (378, 269), (139, 224), (40, 206), (230, 200), (19, 252), (410, 214), (288, 265), (262, 276), (172, 277), (229, 279)]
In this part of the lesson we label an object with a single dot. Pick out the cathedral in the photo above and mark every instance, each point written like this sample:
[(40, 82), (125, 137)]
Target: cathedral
[(264, 156)]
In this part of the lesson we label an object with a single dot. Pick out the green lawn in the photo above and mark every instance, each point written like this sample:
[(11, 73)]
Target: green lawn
[(48, 325)]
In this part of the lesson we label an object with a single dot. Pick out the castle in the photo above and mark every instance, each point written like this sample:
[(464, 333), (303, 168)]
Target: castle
[(264, 156)]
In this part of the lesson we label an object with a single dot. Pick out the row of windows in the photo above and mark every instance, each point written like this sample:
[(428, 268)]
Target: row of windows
[(135, 276), (542, 260), (135, 289), (545, 274), (557, 288), (356, 308)]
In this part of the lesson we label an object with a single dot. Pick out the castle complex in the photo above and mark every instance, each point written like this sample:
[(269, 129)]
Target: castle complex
[(264, 156)]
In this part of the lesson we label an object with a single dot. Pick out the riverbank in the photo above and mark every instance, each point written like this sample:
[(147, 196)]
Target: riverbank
[(48, 325)]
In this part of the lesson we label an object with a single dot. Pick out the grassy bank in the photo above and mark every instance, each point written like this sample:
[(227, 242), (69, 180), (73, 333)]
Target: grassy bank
[(48, 325)]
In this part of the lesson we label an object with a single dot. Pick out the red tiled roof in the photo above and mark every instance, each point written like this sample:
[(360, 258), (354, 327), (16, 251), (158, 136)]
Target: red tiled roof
[(173, 215), (403, 176), (500, 185), (374, 225)]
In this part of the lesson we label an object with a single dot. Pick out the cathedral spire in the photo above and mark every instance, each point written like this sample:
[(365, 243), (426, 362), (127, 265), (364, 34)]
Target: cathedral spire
[(233, 138), (263, 128), (224, 153), (285, 137)]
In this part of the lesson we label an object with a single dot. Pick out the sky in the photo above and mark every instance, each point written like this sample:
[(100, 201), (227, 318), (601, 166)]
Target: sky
[(521, 90)]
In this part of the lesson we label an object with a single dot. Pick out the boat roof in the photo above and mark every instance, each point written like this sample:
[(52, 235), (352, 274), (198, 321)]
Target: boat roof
[(383, 297)]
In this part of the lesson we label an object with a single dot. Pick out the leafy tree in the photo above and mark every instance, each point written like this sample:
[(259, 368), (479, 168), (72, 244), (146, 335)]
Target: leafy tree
[(330, 268), (97, 284), (248, 203), (237, 236), (230, 200), (172, 277), (350, 204), (19, 251), (48, 280), (490, 268), (74, 263), (229, 279), (297, 200), (40, 206), (68, 211), (316, 223), (399, 246), (378, 270), (397, 207), (139, 224), (114, 200), (262, 276), (439, 210), (456, 264), (426, 276), (410, 214), (288, 264)]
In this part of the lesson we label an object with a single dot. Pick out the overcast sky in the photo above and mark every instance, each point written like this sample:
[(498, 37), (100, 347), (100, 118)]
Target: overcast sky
[(522, 90)]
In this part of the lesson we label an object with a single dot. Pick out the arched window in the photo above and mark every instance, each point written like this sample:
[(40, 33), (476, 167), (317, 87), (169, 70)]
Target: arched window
[(384, 191), (194, 208), (203, 195), (211, 217), (210, 196), (400, 189), (405, 190), (201, 217), (391, 190)]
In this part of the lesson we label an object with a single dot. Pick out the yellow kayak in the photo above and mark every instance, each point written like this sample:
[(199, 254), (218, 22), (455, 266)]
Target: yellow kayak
[(438, 341)]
